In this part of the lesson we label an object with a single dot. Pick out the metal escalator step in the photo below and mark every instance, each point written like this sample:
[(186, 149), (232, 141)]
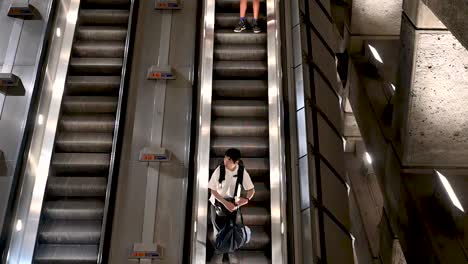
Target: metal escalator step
[(89, 104), (239, 127), (230, 20), (111, 17), (255, 216), (84, 142), (101, 33), (100, 123), (74, 209), (101, 49), (228, 36), (240, 108), (106, 3), (96, 66), (240, 69), (77, 187), (240, 88), (257, 167), (66, 254), (262, 193), (93, 85), (249, 146), (240, 52), (70, 232), (75, 163), (260, 239), (254, 257)]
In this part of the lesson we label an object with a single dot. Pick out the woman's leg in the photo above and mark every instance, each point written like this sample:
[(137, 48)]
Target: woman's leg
[(256, 8), (243, 8)]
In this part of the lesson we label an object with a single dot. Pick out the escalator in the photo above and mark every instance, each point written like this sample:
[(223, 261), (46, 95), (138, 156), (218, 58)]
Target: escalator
[(240, 117), (74, 206)]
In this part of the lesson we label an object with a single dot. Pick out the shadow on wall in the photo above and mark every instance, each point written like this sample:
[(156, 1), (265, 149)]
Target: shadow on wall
[(3, 166)]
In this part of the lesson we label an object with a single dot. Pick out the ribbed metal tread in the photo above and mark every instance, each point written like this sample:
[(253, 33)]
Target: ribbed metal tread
[(75, 163), (255, 216), (76, 186), (70, 232), (251, 147), (66, 254), (240, 69), (93, 85), (240, 52), (252, 257), (84, 142), (100, 49), (89, 104), (106, 3), (92, 33), (228, 36), (239, 127), (244, 89), (240, 108), (111, 17), (100, 123), (96, 66), (262, 192), (74, 209)]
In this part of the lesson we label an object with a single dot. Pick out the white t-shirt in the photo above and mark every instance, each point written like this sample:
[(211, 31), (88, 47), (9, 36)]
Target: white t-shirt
[(227, 187)]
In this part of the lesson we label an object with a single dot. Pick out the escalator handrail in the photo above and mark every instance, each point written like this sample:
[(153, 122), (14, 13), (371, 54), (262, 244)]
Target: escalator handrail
[(202, 161)]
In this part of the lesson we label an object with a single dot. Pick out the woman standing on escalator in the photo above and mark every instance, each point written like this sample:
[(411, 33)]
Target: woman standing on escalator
[(242, 22)]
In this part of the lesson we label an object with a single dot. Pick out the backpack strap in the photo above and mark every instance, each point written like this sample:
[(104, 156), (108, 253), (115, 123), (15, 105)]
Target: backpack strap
[(222, 173), (240, 178)]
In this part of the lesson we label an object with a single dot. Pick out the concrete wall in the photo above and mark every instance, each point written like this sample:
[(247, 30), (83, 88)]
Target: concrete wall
[(322, 204), (453, 15), (143, 111)]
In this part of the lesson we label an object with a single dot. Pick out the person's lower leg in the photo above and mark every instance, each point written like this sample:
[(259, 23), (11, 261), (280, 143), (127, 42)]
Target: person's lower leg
[(243, 8), (256, 8)]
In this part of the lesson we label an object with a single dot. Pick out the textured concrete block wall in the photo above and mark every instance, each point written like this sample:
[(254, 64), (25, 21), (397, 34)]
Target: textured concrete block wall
[(323, 191)]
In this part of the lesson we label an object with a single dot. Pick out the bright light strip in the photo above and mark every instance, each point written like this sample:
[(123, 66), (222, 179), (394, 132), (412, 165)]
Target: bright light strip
[(344, 144), (450, 191), (58, 32), (375, 53), (393, 87), (40, 119), (368, 157), (19, 225)]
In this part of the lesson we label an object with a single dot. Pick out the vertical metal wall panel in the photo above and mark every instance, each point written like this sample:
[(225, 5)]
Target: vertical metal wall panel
[(338, 243), (321, 22), (331, 146), (299, 88), (318, 94), (308, 255), (324, 60), (297, 45), (328, 102), (304, 182), (335, 195), (302, 132)]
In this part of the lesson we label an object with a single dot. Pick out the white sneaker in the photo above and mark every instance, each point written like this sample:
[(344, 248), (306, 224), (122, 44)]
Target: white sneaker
[(233, 258)]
